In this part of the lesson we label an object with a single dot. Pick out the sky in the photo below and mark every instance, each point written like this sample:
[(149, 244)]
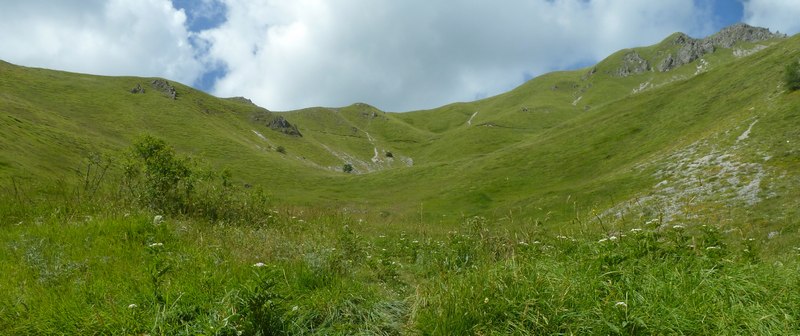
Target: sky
[(396, 55)]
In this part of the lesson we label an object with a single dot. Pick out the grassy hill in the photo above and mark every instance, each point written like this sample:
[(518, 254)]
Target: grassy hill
[(594, 136), (652, 193)]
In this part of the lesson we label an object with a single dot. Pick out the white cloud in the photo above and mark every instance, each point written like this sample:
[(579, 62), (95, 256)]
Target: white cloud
[(782, 15), (402, 55), (115, 37)]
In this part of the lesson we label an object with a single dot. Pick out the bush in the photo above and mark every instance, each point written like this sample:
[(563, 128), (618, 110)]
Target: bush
[(347, 168), (156, 177), (281, 150), (792, 76)]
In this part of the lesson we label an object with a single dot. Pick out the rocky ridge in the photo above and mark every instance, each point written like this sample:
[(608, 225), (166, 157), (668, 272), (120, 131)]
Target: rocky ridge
[(691, 49)]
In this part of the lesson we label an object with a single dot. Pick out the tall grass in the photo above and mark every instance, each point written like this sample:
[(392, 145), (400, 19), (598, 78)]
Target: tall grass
[(90, 260)]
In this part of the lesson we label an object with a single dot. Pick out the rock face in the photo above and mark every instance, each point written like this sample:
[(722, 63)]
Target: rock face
[(632, 64), (281, 125), (692, 49), (165, 88)]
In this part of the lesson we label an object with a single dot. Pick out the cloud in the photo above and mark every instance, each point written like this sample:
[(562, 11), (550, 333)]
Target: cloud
[(779, 15), (114, 37), (411, 54)]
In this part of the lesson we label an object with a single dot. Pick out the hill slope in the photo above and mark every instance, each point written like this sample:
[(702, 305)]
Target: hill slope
[(654, 131)]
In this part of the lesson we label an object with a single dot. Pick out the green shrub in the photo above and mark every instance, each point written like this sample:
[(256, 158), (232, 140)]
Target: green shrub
[(347, 168), (792, 76), (156, 177), (281, 149)]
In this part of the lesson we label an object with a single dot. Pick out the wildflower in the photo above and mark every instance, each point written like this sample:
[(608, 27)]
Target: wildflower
[(158, 219), (562, 237), (523, 243), (636, 230), (259, 264), (486, 300), (156, 245), (621, 304), (713, 248), (132, 305), (295, 308), (602, 240), (678, 227), (612, 238)]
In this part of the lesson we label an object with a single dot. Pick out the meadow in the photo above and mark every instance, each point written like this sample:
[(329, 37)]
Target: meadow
[(90, 256)]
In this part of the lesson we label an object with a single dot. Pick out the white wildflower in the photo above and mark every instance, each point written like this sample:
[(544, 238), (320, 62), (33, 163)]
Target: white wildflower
[(678, 227), (636, 230), (295, 308), (259, 264), (713, 248), (621, 304), (612, 238), (132, 305), (156, 245), (486, 300), (158, 219)]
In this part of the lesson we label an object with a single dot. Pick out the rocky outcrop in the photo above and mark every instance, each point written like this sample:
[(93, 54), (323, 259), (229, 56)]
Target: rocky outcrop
[(741, 32), (276, 123), (632, 64), (281, 125), (165, 88), (137, 89), (691, 49)]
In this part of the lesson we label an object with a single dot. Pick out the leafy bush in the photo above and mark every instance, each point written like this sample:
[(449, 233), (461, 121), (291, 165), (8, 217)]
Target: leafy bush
[(792, 76), (281, 149), (156, 177), (347, 168)]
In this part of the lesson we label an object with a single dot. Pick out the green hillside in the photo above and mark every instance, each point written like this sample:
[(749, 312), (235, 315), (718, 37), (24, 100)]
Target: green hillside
[(652, 193), (596, 136)]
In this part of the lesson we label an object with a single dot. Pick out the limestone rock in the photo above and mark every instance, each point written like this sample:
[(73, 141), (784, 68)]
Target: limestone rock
[(692, 49), (741, 32), (165, 88), (632, 64)]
